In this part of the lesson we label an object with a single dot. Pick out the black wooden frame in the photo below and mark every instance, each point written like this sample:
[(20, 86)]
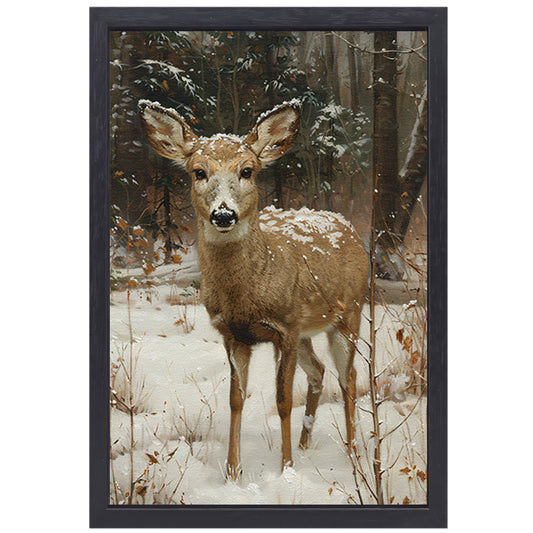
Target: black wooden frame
[(432, 20)]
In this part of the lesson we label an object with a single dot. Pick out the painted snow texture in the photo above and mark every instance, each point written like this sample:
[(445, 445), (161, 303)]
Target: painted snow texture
[(180, 390), (306, 226)]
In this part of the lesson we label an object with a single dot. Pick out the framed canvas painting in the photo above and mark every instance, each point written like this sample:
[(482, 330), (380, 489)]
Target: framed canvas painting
[(268, 267)]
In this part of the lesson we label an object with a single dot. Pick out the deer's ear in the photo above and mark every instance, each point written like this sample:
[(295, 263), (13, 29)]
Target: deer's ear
[(275, 132), (167, 132)]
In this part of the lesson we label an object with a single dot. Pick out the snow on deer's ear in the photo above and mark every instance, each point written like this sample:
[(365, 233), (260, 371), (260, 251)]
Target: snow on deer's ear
[(167, 132), (275, 131)]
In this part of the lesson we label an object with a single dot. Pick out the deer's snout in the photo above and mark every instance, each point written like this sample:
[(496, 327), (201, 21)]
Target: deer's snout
[(223, 217)]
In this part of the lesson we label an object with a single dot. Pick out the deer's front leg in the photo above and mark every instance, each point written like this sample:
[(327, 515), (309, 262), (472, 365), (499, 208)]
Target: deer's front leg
[(239, 359), (284, 381)]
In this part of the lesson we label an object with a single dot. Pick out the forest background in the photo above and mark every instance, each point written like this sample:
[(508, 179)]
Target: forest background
[(363, 114)]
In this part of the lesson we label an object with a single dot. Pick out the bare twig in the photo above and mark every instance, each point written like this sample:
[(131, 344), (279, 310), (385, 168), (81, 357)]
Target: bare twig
[(406, 416), (407, 49)]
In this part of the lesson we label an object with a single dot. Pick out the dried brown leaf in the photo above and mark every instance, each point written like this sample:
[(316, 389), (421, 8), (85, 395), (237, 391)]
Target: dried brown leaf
[(421, 474), (152, 459), (399, 335)]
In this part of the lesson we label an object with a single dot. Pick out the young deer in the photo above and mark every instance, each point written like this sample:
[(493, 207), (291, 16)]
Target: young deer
[(279, 276)]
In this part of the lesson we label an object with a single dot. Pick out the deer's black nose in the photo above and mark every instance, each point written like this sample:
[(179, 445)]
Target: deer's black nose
[(223, 217)]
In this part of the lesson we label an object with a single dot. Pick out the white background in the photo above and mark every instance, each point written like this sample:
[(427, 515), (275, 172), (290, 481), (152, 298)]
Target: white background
[(45, 229)]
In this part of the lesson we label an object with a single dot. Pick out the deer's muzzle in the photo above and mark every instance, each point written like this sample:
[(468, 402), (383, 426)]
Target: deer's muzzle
[(223, 217)]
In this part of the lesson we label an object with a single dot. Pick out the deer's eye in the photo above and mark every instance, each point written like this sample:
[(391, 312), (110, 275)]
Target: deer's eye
[(246, 173), (200, 174)]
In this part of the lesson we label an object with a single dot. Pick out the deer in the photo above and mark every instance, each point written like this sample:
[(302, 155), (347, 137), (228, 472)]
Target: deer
[(278, 276)]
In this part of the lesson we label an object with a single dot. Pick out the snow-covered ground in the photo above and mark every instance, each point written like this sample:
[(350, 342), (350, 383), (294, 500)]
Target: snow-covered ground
[(180, 390)]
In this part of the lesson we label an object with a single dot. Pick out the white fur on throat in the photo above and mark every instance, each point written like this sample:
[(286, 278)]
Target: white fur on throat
[(223, 236)]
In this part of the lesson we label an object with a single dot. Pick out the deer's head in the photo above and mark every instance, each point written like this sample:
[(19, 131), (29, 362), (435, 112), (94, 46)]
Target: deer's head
[(224, 167)]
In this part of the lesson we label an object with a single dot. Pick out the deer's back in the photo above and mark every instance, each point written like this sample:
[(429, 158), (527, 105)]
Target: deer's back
[(329, 256)]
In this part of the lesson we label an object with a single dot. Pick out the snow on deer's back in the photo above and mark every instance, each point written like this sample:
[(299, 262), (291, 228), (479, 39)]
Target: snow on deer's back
[(319, 240)]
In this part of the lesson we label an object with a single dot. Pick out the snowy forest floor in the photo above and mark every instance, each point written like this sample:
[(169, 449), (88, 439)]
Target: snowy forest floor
[(180, 390)]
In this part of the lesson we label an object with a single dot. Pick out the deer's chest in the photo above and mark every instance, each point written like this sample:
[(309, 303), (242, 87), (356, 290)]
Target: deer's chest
[(237, 301), (248, 311)]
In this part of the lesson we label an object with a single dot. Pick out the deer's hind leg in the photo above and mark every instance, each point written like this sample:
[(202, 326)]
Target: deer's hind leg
[(343, 352), (314, 369)]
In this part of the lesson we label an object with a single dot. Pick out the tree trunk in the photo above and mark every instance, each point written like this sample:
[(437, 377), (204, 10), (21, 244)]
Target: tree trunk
[(235, 100), (219, 97), (202, 68), (128, 154), (270, 64), (168, 223), (352, 69), (331, 67), (385, 144), (333, 82), (414, 170)]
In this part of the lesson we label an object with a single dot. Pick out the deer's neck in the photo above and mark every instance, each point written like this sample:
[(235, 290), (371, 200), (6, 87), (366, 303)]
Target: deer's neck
[(244, 249)]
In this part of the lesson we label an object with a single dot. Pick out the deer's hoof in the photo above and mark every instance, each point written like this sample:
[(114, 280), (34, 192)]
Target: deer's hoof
[(233, 472), (304, 440), (287, 465)]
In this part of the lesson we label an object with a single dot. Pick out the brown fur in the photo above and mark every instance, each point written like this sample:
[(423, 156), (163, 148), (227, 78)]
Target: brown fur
[(270, 284)]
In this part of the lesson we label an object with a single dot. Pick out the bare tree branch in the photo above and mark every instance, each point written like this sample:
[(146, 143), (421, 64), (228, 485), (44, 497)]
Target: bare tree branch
[(407, 50)]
